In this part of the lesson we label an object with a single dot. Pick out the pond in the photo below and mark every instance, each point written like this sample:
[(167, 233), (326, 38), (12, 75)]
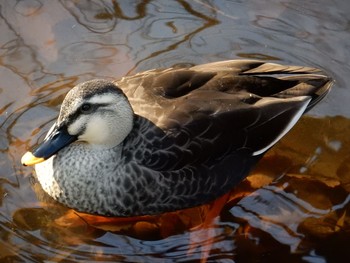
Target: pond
[(294, 207)]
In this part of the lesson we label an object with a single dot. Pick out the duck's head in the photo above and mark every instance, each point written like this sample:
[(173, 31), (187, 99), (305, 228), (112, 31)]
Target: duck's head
[(95, 112)]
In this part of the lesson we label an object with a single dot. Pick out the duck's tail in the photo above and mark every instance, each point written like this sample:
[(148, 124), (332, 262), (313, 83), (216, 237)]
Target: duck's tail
[(316, 86)]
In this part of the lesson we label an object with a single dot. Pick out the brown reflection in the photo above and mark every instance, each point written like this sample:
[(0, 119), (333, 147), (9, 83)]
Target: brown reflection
[(55, 90), (318, 148), (140, 10), (87, 13), (90, 13), (257, 56)]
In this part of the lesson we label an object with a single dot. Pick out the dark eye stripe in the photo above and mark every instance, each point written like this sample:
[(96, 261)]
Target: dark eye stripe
[(87, 108), (93, 107)]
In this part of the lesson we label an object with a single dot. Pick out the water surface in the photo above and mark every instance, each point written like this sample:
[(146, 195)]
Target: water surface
[(295, 205)]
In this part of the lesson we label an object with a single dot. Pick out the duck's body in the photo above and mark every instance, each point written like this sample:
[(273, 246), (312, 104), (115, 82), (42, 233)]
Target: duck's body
[(177, 138)]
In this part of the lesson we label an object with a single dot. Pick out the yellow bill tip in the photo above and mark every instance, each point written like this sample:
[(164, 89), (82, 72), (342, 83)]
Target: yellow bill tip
[(29, 159)]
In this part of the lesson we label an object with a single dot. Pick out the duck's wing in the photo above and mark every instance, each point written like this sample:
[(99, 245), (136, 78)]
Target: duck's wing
[(157, 87), (223, 107)]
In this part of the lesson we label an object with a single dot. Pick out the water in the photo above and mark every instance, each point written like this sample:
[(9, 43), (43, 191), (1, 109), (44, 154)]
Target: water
[(295, 205)]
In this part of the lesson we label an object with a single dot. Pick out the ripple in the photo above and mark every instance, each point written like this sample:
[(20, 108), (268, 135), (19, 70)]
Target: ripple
[(282, 210), (28, 8), (89, 14)]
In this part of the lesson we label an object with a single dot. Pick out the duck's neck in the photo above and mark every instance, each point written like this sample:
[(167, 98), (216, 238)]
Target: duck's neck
[(99, 152)]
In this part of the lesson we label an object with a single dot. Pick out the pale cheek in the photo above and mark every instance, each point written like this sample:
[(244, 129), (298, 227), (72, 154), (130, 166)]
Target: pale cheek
[(96, 132)]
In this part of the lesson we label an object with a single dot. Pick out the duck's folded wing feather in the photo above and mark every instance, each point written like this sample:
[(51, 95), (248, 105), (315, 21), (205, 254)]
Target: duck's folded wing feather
[(199, 132), (254, 67), (217, 127)]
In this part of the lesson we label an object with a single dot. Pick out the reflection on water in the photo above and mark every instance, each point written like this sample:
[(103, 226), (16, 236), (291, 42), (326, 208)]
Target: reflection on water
[(295, 205)]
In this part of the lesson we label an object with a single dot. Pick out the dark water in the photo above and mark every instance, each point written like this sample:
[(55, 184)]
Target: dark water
[(294, 207)]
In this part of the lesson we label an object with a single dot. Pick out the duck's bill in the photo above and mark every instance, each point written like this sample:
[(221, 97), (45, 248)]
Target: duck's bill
[(55, 141), (29, 159)]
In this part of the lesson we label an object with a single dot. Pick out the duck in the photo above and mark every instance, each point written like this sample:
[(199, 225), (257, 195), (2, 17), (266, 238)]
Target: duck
[(169, 139)]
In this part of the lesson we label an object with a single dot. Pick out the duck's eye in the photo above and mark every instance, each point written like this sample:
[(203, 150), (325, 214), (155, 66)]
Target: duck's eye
[(86, 108)]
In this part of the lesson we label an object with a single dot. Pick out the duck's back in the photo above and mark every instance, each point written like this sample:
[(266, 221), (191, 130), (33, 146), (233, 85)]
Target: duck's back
[(226, 105)]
